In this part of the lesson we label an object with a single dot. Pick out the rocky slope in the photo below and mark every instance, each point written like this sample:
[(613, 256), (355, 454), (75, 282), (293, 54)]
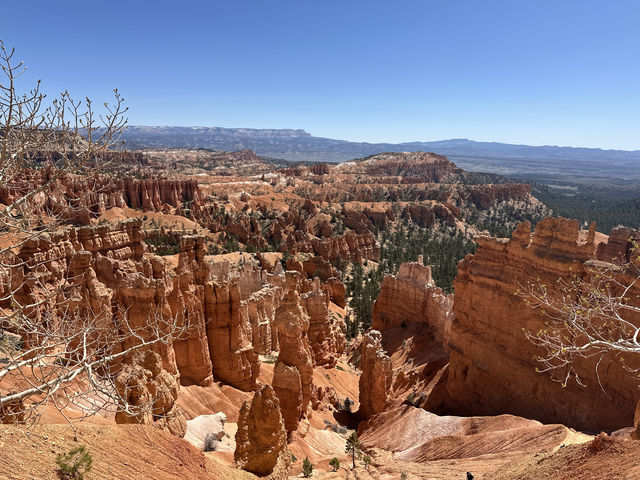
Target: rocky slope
[(121, 452)]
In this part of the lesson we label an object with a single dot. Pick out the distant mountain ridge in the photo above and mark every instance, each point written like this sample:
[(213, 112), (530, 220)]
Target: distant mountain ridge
[(299, 145)]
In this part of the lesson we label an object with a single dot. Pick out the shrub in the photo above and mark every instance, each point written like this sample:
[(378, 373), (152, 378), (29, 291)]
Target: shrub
[(74, 464), (269, 359), (348, 403), (307, 467), (335, 464), (403, 476), (210, 442), (367, 461)]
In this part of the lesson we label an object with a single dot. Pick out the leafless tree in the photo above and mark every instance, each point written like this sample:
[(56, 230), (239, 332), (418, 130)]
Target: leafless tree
[(54, 350), (589, 316)]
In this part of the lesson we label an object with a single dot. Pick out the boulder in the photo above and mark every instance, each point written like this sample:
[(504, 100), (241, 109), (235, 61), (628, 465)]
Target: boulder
[(200, 427)]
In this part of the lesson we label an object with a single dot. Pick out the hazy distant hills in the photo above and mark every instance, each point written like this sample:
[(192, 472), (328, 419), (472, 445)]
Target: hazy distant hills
[(297, 145)]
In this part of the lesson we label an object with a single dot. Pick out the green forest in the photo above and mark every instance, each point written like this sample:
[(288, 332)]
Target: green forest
[(608, 207)]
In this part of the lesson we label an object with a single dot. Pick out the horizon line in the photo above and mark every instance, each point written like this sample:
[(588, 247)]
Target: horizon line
[(393, 143)]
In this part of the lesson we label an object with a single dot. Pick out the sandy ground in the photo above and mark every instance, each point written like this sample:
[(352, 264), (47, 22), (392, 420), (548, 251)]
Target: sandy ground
[(126, 452)]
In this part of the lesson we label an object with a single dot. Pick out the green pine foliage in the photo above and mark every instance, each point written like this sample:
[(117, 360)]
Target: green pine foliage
[(441, 248), (352, 447), (74, 464), (503, 217), (608, 207), (307, 467)]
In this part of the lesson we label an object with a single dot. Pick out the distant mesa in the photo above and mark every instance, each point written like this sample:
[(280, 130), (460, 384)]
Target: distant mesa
[(299, 145)]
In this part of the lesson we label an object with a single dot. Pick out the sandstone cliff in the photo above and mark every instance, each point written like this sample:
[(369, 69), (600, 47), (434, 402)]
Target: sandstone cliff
[(79, 199), (483, 196), (230, 312), (411, 296), (428, 167), (492, 366)]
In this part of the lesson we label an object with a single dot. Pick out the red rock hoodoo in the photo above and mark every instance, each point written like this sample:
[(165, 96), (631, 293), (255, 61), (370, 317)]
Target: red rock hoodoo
[(377, 376), (293, 373), (411, 296), (152, 393), (261, 439)]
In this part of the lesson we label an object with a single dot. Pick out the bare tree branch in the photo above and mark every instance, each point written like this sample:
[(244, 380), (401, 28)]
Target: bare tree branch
[(54, 349)]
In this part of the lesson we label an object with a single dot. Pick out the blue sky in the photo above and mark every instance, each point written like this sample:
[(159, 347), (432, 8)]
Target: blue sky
[(538, 72)]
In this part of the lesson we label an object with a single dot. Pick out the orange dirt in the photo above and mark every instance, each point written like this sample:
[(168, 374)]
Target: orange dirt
[(124, 452), (616, 459), (408, 435)]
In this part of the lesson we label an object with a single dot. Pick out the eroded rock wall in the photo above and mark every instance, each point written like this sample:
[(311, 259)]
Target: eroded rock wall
[(78, 198), (492, 367), (231, 313), (326, 331), (411, 296)]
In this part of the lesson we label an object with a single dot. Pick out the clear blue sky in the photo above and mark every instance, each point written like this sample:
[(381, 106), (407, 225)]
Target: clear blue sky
[(557, 72)]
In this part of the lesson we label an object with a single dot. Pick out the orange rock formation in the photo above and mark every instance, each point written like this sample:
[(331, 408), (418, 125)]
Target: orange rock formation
[(293, 373), (411, 296), (153, 392), (377, 376), (261, 439), (492, 366)]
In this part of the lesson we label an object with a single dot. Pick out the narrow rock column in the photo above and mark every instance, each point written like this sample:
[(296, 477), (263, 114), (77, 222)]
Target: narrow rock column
[(261, 439), (293, 373), (376, 378)]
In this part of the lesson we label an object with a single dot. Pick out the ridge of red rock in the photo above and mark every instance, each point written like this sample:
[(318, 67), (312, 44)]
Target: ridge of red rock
[(487, 344)]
